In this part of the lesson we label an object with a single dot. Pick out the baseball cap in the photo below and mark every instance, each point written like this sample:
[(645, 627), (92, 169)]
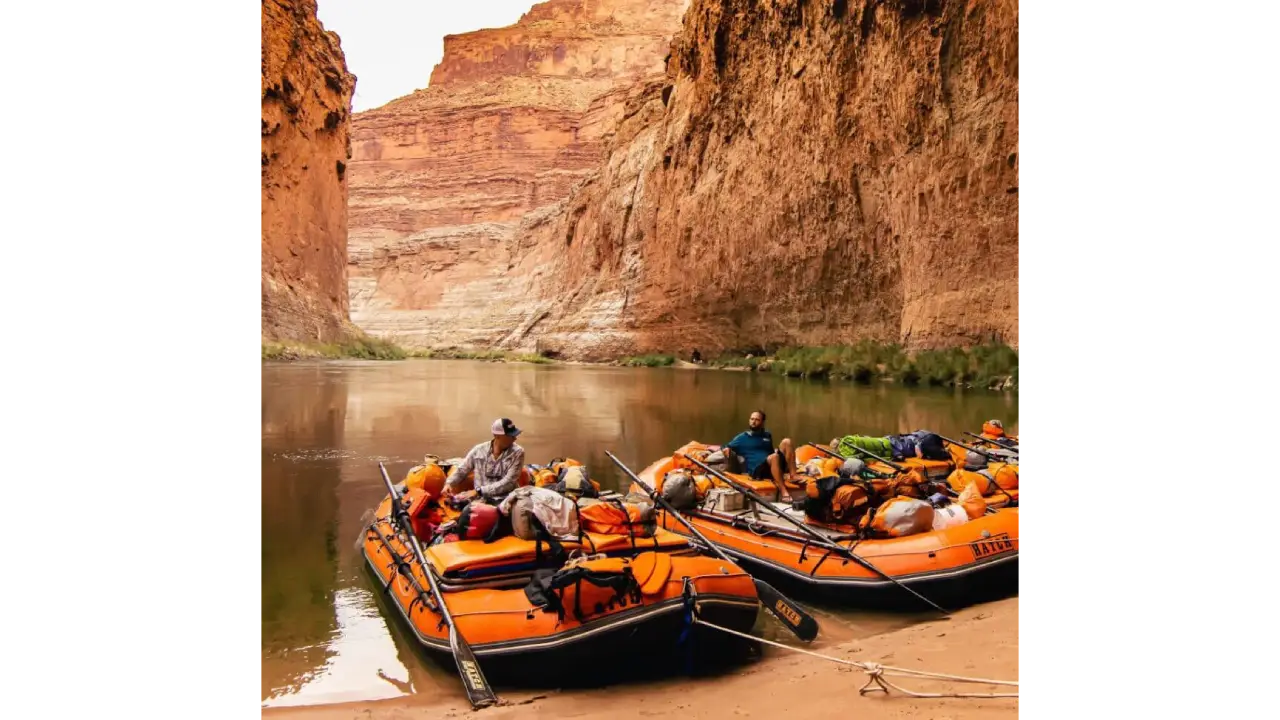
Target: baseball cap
[(504, 426)]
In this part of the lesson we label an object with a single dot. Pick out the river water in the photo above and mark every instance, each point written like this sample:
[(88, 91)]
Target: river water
[(325, 425)]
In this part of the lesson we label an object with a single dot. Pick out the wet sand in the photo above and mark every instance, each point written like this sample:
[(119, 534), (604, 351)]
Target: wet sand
[(979, 641)]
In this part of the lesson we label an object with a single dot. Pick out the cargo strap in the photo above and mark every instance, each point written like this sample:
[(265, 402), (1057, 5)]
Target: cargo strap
[(631, 533), (876, 681)]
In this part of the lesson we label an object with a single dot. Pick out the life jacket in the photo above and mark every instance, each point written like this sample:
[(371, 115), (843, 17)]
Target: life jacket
[(424, 513), (898, 517), (991, 432), (572, 481), (429, 477), (983, 480), (479, 521), (591, 586), (615, 517)]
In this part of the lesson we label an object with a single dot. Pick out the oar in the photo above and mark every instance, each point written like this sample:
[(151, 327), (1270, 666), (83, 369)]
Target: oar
[(988, 455), (478, 690), (818, 539), (868, 453), (792, 616), (997, 443)]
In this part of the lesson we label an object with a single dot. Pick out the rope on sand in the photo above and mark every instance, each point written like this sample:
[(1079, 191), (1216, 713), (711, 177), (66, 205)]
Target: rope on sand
[(877, 673)]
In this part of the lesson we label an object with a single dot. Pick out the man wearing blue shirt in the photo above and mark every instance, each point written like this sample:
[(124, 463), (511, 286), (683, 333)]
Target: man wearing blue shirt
[(754, 452)]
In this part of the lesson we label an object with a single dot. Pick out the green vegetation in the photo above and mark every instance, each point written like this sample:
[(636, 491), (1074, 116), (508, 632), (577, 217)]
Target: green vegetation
[(362, 347), (985, 366), (648, 361), (490, 355)]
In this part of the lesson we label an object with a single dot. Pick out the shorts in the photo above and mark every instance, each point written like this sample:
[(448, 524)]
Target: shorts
[(763, 472)]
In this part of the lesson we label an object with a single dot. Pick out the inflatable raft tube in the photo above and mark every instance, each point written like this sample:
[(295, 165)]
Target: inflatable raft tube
[(960, 565), (515, 638)]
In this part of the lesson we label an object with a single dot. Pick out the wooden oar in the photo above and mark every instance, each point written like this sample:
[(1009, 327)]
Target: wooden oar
[(818, 539), (477, 687), (792, 616)]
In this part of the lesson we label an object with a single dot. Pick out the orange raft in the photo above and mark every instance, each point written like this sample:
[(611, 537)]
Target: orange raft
[(966, 563), (645, 608)]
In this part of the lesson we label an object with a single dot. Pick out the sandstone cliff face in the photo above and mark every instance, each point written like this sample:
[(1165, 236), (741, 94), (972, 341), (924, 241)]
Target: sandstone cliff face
[(806, 172), (442, 179), (306, 108), (821, 172)]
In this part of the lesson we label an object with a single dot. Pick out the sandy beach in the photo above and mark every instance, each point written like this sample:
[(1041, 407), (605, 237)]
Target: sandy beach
[(978, 641)]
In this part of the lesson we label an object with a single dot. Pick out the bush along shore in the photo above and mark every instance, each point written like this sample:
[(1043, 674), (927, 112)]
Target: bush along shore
[(993, 366), (371, 348), (359, 347)]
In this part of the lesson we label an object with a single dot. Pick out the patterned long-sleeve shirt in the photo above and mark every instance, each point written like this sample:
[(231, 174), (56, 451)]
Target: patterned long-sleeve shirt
[(495, 478)]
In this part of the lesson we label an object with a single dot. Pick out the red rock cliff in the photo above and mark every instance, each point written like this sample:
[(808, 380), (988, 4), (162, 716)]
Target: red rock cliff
[(442, 179), (306, 109), (806, 172)]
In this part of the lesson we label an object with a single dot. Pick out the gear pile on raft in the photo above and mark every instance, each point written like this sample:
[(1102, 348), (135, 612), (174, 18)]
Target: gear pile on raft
[(933, 514), (487, 557)]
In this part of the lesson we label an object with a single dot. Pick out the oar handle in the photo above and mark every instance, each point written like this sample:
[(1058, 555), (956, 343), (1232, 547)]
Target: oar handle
[(997, 443), (980, 451)]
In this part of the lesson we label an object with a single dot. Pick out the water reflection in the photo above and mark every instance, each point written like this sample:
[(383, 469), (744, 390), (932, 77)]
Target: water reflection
[(326, 425)]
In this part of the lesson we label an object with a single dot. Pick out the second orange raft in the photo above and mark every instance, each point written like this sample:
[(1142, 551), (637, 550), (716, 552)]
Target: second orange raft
[(967, 563)]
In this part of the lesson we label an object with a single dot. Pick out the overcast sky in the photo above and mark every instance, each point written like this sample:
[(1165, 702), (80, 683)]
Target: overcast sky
[(391, 45)]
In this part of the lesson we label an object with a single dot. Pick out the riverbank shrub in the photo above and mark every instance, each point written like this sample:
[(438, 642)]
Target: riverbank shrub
[(648, 361), (988, 365), (489, 355), (364, 347)]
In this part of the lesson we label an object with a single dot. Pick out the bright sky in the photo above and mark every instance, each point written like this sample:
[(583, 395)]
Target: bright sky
[(392, 45)]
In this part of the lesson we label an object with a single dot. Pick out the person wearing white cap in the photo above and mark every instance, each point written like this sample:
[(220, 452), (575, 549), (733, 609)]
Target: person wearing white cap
[(496, 464)]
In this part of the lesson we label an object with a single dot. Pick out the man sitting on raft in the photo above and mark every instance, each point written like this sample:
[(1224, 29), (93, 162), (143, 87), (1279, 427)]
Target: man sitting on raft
[(752, 450), (496, 463)]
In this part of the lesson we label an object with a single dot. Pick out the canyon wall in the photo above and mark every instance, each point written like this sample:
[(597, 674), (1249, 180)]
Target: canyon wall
[(513, 118), (804, 172), (306, 118)]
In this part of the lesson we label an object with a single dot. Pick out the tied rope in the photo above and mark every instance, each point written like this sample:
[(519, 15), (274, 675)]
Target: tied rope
[(877, 681)]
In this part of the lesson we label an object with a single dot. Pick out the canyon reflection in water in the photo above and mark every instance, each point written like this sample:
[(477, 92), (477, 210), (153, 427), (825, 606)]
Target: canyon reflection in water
[(325, 425)]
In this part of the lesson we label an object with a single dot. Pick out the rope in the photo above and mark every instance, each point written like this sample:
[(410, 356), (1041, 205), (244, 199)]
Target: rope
[(877, 672)]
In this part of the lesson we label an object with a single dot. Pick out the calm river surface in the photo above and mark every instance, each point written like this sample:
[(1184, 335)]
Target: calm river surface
[(325, 425)]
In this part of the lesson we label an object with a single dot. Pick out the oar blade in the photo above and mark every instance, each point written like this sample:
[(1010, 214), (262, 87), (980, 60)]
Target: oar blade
[(795, 618), (473, 681)]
